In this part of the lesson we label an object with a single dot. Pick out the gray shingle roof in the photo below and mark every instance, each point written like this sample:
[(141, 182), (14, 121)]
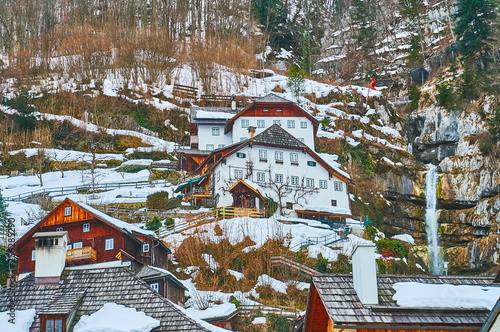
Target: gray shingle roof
[(343, 306), (94, 288), (272, 98), (275, 135)]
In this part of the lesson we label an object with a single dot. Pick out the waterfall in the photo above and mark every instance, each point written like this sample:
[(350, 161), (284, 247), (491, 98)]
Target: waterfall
[(431, 224)]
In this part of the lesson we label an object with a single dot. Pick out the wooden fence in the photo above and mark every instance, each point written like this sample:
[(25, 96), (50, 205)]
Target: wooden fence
[(185, 91)]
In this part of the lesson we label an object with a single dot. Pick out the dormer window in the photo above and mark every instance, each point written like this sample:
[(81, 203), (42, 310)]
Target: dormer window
[(53, 323), (145, 247), (67, 211)]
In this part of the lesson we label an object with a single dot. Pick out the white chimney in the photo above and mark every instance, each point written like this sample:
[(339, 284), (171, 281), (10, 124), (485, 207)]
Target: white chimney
[(233, 103), (50, 256), (364, 274)]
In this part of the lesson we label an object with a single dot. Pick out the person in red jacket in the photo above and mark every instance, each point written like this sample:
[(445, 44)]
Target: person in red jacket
[(372, 83)]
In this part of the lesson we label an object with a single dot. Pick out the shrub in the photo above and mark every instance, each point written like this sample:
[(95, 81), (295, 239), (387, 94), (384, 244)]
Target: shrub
[(157, 200), (132, 169), (342, 265), (392, 248), (276, 323), (494, 125), (154, 224), (169, 222), (370, 232), (218, 230)]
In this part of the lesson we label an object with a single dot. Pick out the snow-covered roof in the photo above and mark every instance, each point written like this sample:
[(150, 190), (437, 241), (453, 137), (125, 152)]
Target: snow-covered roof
[(213, 115), (117, 318), (23, 321), (327, 209), (125, 226), (223, 310), (421, 295)]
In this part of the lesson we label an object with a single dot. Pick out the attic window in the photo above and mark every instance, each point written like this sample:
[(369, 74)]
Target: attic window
[(86, 228), (145, 247), (54, 325), (67, 211)]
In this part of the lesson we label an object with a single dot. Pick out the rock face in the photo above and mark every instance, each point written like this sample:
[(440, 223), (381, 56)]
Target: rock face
[(469, 200)]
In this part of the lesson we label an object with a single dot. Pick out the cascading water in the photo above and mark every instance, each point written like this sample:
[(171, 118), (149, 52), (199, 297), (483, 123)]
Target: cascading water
[(431, 225)]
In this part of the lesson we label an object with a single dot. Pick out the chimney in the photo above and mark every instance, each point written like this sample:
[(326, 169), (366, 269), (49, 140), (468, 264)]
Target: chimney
[(233, 103), (251, 132), (50, 256), (364, 274)]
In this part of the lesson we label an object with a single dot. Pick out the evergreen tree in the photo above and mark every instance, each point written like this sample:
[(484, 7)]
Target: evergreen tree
[(468, 86), (4, 215), (21, 103), (414, 96), (473, 27), (295, 80), (154, 224), (363, 15)]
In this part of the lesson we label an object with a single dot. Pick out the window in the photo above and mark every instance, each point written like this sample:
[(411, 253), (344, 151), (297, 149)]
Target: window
[(261, 176), (295, 180), (311, 163), (78, 245), (238, 174), (263, 155), (53, 325), (240, 155), (67, 211), (310, 182), (266, 110), (215, 131), (278, 122), (243, 139), (294, 158), (301, 140), (245, 124), (59, 229), (221, 146), (33, 255), (322, 184), (155, 286), (290, 123), (86, 228), (334, 202), (289, 205), (279, 178), (218, 176), (279, 156), (303, 124), (210, 147), (109, 244), (278, 110), (338, 186), (69, 247), (145, 247), (261, 123)]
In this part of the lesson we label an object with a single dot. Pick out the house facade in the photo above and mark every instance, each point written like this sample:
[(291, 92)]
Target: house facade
[(93, 237), (214, 128), (275, 165)]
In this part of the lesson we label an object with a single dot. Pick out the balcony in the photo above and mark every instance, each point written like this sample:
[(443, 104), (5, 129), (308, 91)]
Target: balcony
[(87, 254), (197, 192)]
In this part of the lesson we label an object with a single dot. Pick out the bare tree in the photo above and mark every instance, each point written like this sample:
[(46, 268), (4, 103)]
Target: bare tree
[(283, 188)]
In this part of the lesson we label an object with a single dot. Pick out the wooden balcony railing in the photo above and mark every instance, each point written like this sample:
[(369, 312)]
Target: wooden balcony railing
[(82, 254)]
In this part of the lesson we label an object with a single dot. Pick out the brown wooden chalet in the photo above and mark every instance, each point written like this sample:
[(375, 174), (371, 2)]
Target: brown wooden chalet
[(94, 237), (164, 282), (333, 305), (363, 301)]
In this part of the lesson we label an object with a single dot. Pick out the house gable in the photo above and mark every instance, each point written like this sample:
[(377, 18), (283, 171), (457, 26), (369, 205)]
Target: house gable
[(268, 106)]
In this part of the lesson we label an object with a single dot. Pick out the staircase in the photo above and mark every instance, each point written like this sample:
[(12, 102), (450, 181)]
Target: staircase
[(295, 265)]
